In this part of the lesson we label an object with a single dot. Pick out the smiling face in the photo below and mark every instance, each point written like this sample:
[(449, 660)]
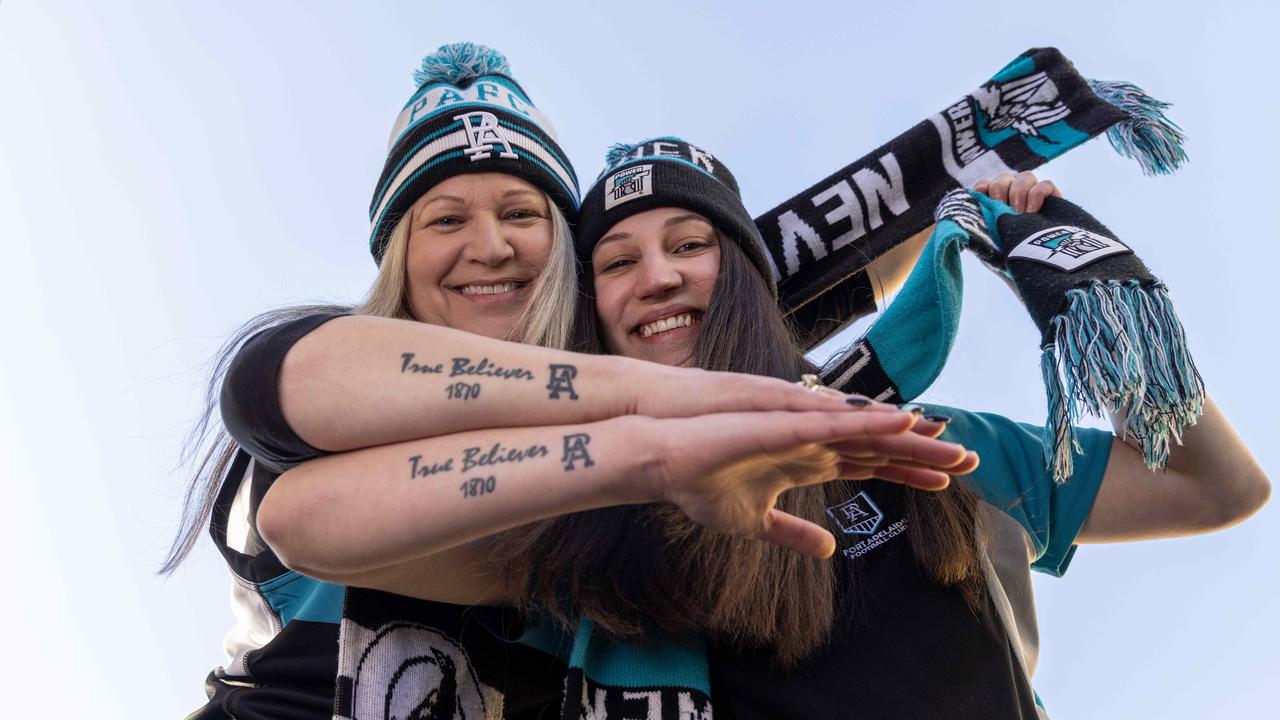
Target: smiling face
[(477, 243), (654, 274)]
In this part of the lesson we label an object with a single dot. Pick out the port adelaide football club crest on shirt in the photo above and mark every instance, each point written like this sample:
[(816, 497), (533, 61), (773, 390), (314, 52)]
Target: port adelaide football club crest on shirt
[(862, 521)]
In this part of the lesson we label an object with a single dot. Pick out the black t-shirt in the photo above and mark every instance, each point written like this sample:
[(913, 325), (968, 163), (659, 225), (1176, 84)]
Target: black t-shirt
[(903, 647)]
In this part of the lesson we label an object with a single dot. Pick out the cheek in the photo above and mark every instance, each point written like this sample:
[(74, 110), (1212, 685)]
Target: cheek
[(426, 265), (609, 305), (704, 281), (533, 246)]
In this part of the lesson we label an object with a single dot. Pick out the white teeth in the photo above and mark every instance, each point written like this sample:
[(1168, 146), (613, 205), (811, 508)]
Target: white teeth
[(488, 289), (665, 324)]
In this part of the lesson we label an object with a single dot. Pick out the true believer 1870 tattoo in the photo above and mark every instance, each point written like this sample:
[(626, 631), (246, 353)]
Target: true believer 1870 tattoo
[(474, 457), (463, 366), (407, 365), (575, 450), (463, 391), (478, 486)]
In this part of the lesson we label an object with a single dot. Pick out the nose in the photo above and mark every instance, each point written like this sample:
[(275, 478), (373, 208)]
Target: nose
[(487, 244), (658, 277)]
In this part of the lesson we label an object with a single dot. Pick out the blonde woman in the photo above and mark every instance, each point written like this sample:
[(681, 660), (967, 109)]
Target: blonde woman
[(476, 271)]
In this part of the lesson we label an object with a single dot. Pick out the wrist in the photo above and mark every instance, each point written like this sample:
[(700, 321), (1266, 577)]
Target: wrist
[(638, 449)]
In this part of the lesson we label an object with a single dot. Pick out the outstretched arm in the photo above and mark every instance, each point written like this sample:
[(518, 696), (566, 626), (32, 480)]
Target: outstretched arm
[(1211, 482), (405, 517), (363, 381)]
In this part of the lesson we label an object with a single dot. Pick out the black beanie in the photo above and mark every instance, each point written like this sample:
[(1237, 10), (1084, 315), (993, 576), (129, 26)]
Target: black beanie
[(668, 172)]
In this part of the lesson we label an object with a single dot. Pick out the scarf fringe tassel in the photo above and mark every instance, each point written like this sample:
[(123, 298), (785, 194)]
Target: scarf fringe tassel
[(1119, 348), (1148, 136)]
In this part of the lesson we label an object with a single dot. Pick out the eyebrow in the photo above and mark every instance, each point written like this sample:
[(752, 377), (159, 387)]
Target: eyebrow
[(448, 198), (669, 222), (610, 238), (507, 194), (685, 218)]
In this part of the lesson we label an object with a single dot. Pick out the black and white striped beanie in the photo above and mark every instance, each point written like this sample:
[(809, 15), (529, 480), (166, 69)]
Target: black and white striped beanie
[(467, 116)]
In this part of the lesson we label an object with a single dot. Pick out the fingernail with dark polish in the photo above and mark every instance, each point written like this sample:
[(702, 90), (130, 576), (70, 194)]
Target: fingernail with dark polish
[(913, 409), (858, 402), (938, 418)]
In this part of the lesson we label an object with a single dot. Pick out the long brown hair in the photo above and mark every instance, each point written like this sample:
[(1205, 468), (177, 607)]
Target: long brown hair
[(634, 569)]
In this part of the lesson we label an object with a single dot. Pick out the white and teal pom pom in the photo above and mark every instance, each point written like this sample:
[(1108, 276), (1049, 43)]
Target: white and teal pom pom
[(457, 63), (618, 152)]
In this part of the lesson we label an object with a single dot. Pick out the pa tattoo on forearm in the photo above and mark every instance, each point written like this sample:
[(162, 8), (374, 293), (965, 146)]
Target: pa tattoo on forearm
[(562, 381), (575, 449)]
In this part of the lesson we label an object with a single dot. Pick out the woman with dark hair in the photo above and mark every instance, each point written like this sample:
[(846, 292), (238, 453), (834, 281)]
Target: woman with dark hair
[(926, 611), (937, 618), (476, 271)]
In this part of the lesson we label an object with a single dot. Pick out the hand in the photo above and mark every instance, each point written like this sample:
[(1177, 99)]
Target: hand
[(677, 392), (1022, 192), (726, 471)]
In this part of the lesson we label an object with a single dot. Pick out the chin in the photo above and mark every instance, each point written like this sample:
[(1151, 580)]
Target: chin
[(681, 356), (488, 327)]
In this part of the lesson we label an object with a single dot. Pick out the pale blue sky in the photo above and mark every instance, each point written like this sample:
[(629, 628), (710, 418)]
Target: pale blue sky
[(169, 169)]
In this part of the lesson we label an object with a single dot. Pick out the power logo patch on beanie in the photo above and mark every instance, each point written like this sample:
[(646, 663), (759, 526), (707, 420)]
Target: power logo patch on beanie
[(1068, 248), (668, 172), (629, 184)]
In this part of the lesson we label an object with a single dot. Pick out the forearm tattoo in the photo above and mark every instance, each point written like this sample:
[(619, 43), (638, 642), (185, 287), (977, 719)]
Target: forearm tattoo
[(575, 449), (478, 486), (560, 383), (479, 456)]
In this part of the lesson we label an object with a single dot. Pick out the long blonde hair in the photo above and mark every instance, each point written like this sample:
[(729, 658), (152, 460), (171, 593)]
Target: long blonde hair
[(547, 320)]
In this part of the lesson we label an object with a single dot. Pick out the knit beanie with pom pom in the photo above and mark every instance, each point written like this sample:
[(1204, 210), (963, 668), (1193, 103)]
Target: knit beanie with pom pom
[(468, 115)]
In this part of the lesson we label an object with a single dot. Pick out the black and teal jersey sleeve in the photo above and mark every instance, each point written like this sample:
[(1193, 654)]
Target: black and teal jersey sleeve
[(1012, 477)]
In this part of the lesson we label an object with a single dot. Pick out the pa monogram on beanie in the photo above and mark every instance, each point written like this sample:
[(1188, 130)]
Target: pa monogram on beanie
[(468, 116)]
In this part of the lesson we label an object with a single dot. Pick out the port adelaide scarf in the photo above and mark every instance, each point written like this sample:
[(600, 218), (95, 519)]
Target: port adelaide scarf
[(1034, 109), (1110, 339)]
